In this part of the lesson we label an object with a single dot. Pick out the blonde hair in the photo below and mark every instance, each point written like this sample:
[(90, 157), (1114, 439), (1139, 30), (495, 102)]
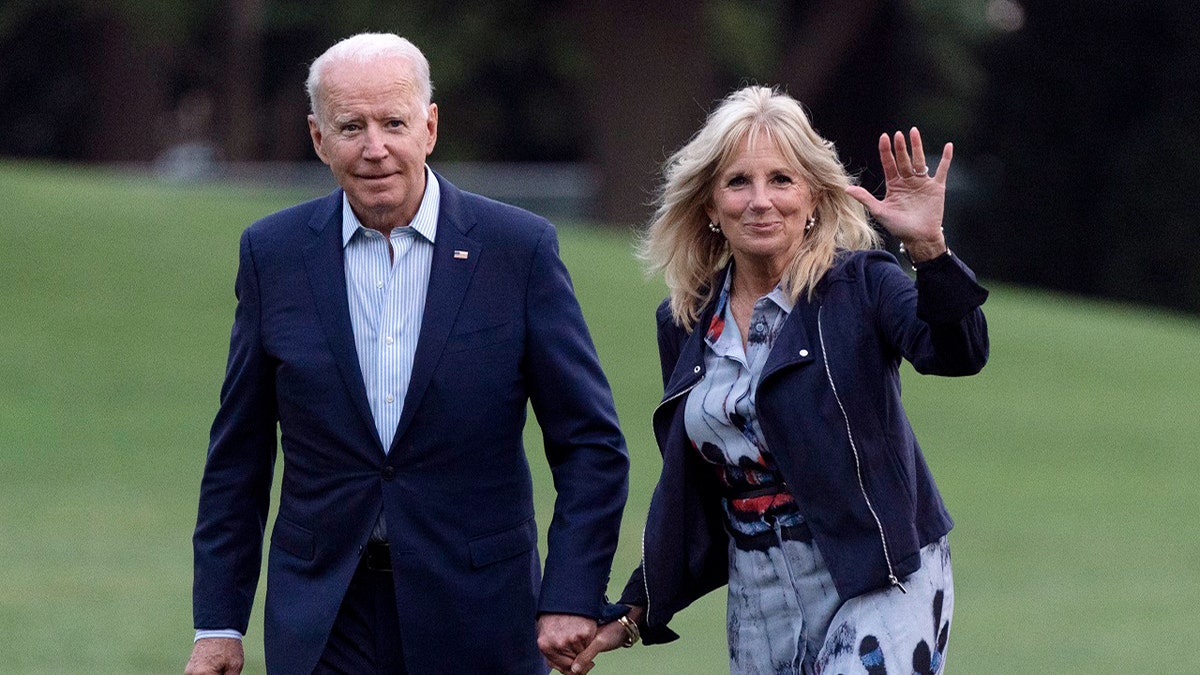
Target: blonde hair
[(678, 242)]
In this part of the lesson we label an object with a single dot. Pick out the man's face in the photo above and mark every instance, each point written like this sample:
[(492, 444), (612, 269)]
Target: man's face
[(375, 134)]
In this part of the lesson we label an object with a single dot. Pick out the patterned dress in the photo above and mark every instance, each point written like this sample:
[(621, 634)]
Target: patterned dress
[(784, 614)]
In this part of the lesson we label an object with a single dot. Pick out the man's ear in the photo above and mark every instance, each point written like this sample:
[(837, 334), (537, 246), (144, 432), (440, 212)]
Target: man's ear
[(431, 123), (314, 130)]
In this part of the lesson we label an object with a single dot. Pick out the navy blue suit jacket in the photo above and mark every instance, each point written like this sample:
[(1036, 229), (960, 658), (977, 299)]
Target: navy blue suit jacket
[(501, 329)]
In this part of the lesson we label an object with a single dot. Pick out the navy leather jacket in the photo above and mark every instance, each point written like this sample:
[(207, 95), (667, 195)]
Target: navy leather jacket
[(830, 410)]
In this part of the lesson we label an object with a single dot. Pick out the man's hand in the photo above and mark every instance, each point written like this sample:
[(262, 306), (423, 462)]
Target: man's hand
[(608, 637), (216, 656), (562, 636)]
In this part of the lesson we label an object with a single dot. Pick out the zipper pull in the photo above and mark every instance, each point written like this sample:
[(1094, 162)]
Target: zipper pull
[(896, 582)]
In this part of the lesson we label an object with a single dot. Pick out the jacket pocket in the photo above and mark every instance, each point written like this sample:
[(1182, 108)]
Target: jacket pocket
[(476, 339), (503, 545), (294, 539)]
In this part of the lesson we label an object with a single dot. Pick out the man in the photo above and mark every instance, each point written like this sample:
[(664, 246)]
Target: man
[(395, 330)]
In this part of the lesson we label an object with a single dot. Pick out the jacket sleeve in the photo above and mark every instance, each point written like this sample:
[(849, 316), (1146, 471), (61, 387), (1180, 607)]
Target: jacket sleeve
[(235, 490), (670, 342), (935, 323), (583, 443)]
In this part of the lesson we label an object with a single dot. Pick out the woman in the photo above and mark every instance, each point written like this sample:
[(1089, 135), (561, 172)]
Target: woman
[(790, 471)]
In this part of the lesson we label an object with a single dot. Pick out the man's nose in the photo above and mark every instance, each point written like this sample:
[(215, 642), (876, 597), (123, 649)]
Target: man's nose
[(374, 146)]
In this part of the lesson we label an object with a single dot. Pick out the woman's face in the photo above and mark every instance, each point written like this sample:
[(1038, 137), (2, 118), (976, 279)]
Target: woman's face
[(761, 203)]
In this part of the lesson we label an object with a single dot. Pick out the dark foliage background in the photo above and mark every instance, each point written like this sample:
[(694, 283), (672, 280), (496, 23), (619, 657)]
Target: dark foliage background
[(1077, 154)]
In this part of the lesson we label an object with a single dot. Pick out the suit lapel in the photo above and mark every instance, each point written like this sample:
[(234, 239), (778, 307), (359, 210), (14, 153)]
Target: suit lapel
[(454, 259), (325, 265)]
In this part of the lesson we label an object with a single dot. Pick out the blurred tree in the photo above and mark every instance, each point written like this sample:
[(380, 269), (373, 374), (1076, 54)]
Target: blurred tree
[(841, 60), (847, 63), (241, 115), (79, 81), (45, 95), (1088, 118), (646, 93)]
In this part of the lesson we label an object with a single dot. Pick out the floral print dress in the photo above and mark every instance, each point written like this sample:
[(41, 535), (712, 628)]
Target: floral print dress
[(783, 613)]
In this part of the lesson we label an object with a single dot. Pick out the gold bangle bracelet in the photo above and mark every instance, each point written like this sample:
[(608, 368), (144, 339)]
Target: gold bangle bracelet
[(632, 634)]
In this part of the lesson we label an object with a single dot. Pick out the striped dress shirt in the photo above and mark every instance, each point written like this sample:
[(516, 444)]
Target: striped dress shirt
[(387, 299)]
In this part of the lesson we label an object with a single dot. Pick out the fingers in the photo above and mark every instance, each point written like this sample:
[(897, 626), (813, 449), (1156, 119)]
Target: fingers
[(887, 159), (944, 164), (899, 164), (561, 659), (894, 156), (562, 636), (918, 153), (586, 660), (609, 637), (904, 164)]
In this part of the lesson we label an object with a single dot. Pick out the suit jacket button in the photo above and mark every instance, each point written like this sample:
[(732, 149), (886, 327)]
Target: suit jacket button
[(389, 472)]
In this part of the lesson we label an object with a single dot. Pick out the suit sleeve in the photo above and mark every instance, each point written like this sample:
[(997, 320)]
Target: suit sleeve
[(583, 443), (236, 487)]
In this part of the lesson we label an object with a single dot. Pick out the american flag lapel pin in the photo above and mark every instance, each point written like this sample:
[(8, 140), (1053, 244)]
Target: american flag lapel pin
[(460, 254)]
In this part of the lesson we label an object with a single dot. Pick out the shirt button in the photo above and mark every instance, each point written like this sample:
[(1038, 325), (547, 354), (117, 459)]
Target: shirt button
[(378, 284), (389, 340), (803, 352), (390, 398)]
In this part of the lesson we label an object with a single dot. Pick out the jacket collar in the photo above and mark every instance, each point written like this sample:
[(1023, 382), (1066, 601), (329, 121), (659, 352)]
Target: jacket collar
[(794, 345)]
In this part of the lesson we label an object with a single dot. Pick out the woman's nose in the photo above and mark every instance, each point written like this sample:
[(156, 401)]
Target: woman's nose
[(759, 200)]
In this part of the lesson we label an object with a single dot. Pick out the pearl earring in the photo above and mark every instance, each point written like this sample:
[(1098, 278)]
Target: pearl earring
[(715, 228), (810, 223)]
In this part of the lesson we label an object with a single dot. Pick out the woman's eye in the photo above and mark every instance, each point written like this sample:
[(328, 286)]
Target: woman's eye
[(737, 181), (781, 179)]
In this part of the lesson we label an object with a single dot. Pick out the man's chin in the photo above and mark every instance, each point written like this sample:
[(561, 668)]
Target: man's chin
[(375, 196)]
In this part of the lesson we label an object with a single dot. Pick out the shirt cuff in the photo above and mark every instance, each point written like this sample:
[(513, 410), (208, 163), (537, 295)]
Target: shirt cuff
[(223, 633)]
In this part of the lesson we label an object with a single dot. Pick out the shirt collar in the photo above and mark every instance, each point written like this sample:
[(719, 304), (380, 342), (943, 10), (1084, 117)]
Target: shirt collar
[(717, 326), (424, 223)]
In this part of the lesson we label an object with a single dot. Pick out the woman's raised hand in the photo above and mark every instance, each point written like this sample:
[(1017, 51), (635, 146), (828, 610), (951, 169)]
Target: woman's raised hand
[(912, 207)]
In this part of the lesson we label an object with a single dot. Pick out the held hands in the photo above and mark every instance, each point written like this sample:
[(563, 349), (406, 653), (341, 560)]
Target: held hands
[(607, 638), (575, 657), (911, 209), (561, 637)]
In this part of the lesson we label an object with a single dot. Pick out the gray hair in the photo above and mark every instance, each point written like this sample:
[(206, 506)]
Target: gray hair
[(678, 242), (361, 49)]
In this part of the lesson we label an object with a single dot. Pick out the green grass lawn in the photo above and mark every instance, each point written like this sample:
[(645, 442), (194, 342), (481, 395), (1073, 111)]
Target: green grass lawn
[(1070, 464)]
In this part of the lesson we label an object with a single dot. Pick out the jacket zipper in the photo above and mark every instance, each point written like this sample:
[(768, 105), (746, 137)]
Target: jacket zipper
[(887, 558), (645, 575)]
